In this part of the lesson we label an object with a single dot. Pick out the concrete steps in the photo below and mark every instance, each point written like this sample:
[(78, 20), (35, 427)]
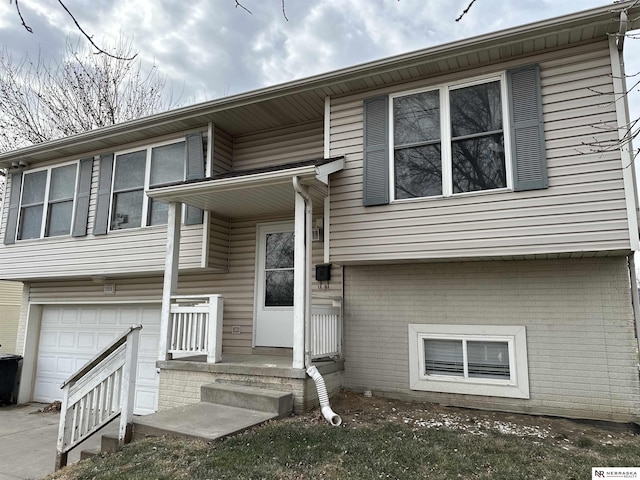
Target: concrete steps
[(224, 410)]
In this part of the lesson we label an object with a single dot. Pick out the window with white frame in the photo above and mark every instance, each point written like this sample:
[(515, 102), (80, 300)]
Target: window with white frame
[(134, 172), (450, 140), (47, 201), (469, 359)]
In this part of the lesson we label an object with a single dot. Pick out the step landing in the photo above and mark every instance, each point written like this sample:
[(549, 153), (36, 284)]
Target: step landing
[(224, 410), (201, 421)]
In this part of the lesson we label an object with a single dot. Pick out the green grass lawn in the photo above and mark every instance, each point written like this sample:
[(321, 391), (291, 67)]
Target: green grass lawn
[(380, 442)]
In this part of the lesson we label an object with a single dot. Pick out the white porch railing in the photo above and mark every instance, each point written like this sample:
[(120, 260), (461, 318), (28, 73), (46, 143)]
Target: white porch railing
[(325, 335), (195, 326), (97, 393)]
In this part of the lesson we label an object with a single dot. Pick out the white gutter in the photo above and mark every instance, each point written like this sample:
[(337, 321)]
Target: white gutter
[(312, 371), (308, 210)]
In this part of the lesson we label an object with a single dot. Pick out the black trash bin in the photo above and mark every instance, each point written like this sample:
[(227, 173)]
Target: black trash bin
[(9, 365)]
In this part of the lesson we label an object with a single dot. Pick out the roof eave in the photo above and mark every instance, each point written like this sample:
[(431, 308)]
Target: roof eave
[(594, 16)]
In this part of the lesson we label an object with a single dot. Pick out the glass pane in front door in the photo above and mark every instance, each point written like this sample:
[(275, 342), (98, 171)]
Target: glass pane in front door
[(278, 270)]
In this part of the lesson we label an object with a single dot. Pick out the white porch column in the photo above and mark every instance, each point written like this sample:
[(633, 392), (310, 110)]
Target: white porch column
[(299, 282), (170, 284)]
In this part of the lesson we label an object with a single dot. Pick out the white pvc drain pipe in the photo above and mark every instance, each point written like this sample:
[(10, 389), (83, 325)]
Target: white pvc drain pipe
[(331, 417)]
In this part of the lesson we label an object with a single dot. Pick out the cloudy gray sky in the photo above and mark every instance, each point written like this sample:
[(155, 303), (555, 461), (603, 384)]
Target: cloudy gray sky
[(210, 48)]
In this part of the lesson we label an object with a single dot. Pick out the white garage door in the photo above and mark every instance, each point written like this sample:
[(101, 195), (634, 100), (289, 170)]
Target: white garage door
[(70, 335)]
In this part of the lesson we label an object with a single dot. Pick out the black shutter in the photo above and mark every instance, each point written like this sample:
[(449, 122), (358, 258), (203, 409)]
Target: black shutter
[(83, 190), (14, 204), (376, 151), (527, 129), (195, 169), (101, 221)]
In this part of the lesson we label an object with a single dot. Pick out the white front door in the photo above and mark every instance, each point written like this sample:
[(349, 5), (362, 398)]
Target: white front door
[(274, 285)]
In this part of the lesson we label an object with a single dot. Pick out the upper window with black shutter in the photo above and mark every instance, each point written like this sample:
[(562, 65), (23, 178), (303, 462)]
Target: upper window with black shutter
[(47, 202), (481, 135), (450, 140), (136, 171)]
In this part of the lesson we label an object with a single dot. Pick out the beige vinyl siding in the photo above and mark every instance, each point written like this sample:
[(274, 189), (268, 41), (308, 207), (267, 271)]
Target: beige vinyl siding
[(577, 313), (265, 149), (222, 152), (138, 250), (236, 286), (218, 243), (583, 210), (10, 305)]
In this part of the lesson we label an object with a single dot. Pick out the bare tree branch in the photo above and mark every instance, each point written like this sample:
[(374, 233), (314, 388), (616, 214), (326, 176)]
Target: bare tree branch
[(238, 4), (466, 10), (89, 37), (27, 27), (284, 12), (86, 35)]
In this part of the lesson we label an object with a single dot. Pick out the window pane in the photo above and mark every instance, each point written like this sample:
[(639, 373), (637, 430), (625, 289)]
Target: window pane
[(279, 250), (416, 118), (278, 288), (418, 172), (488, 360), (130, 170), (63, 183), (30, 222), (478, 164), (127, 210), (167, 164), (59, 218), (443, 357), (159, 212), (476, 109), (33, 188)]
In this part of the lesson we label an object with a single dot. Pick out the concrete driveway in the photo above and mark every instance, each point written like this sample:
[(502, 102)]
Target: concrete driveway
[(28, 442)]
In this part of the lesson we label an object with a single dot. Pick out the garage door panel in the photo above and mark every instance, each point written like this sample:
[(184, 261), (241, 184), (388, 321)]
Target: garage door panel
[(87, 341), (47, 364), (146, 371), (65, 366), (89, 317), (69, 317), (71, 335), (146, 399), (48, 339)]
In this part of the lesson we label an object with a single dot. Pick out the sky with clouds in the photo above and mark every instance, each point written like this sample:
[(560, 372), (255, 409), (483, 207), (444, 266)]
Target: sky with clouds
[(210, 48)]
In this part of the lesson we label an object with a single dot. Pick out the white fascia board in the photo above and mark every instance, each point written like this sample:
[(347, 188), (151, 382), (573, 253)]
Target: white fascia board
[(323, 171), (173, 192)]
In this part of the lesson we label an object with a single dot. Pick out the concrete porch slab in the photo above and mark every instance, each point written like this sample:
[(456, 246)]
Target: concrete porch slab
[(202, 421)]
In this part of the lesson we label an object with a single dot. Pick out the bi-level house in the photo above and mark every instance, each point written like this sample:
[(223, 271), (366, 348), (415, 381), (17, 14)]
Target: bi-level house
[(452, 225)]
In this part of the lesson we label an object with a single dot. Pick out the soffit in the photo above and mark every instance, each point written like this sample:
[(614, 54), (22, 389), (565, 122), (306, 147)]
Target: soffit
[(254, 194), (302, 101)]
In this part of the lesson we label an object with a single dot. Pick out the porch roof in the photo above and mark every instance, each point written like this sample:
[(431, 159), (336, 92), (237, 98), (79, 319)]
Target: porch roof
[(256, 192)]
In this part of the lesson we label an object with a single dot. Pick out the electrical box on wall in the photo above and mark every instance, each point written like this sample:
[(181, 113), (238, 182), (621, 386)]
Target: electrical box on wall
[(323, 272)]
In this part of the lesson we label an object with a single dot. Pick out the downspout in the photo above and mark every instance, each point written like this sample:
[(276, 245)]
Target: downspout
[(331, 417)]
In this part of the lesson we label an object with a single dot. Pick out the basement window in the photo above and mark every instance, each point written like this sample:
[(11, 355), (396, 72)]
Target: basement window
[(469, 359)]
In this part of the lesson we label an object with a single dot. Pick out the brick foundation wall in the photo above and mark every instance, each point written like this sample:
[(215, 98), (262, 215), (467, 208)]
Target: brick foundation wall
[(182, 387), (582, 351)]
